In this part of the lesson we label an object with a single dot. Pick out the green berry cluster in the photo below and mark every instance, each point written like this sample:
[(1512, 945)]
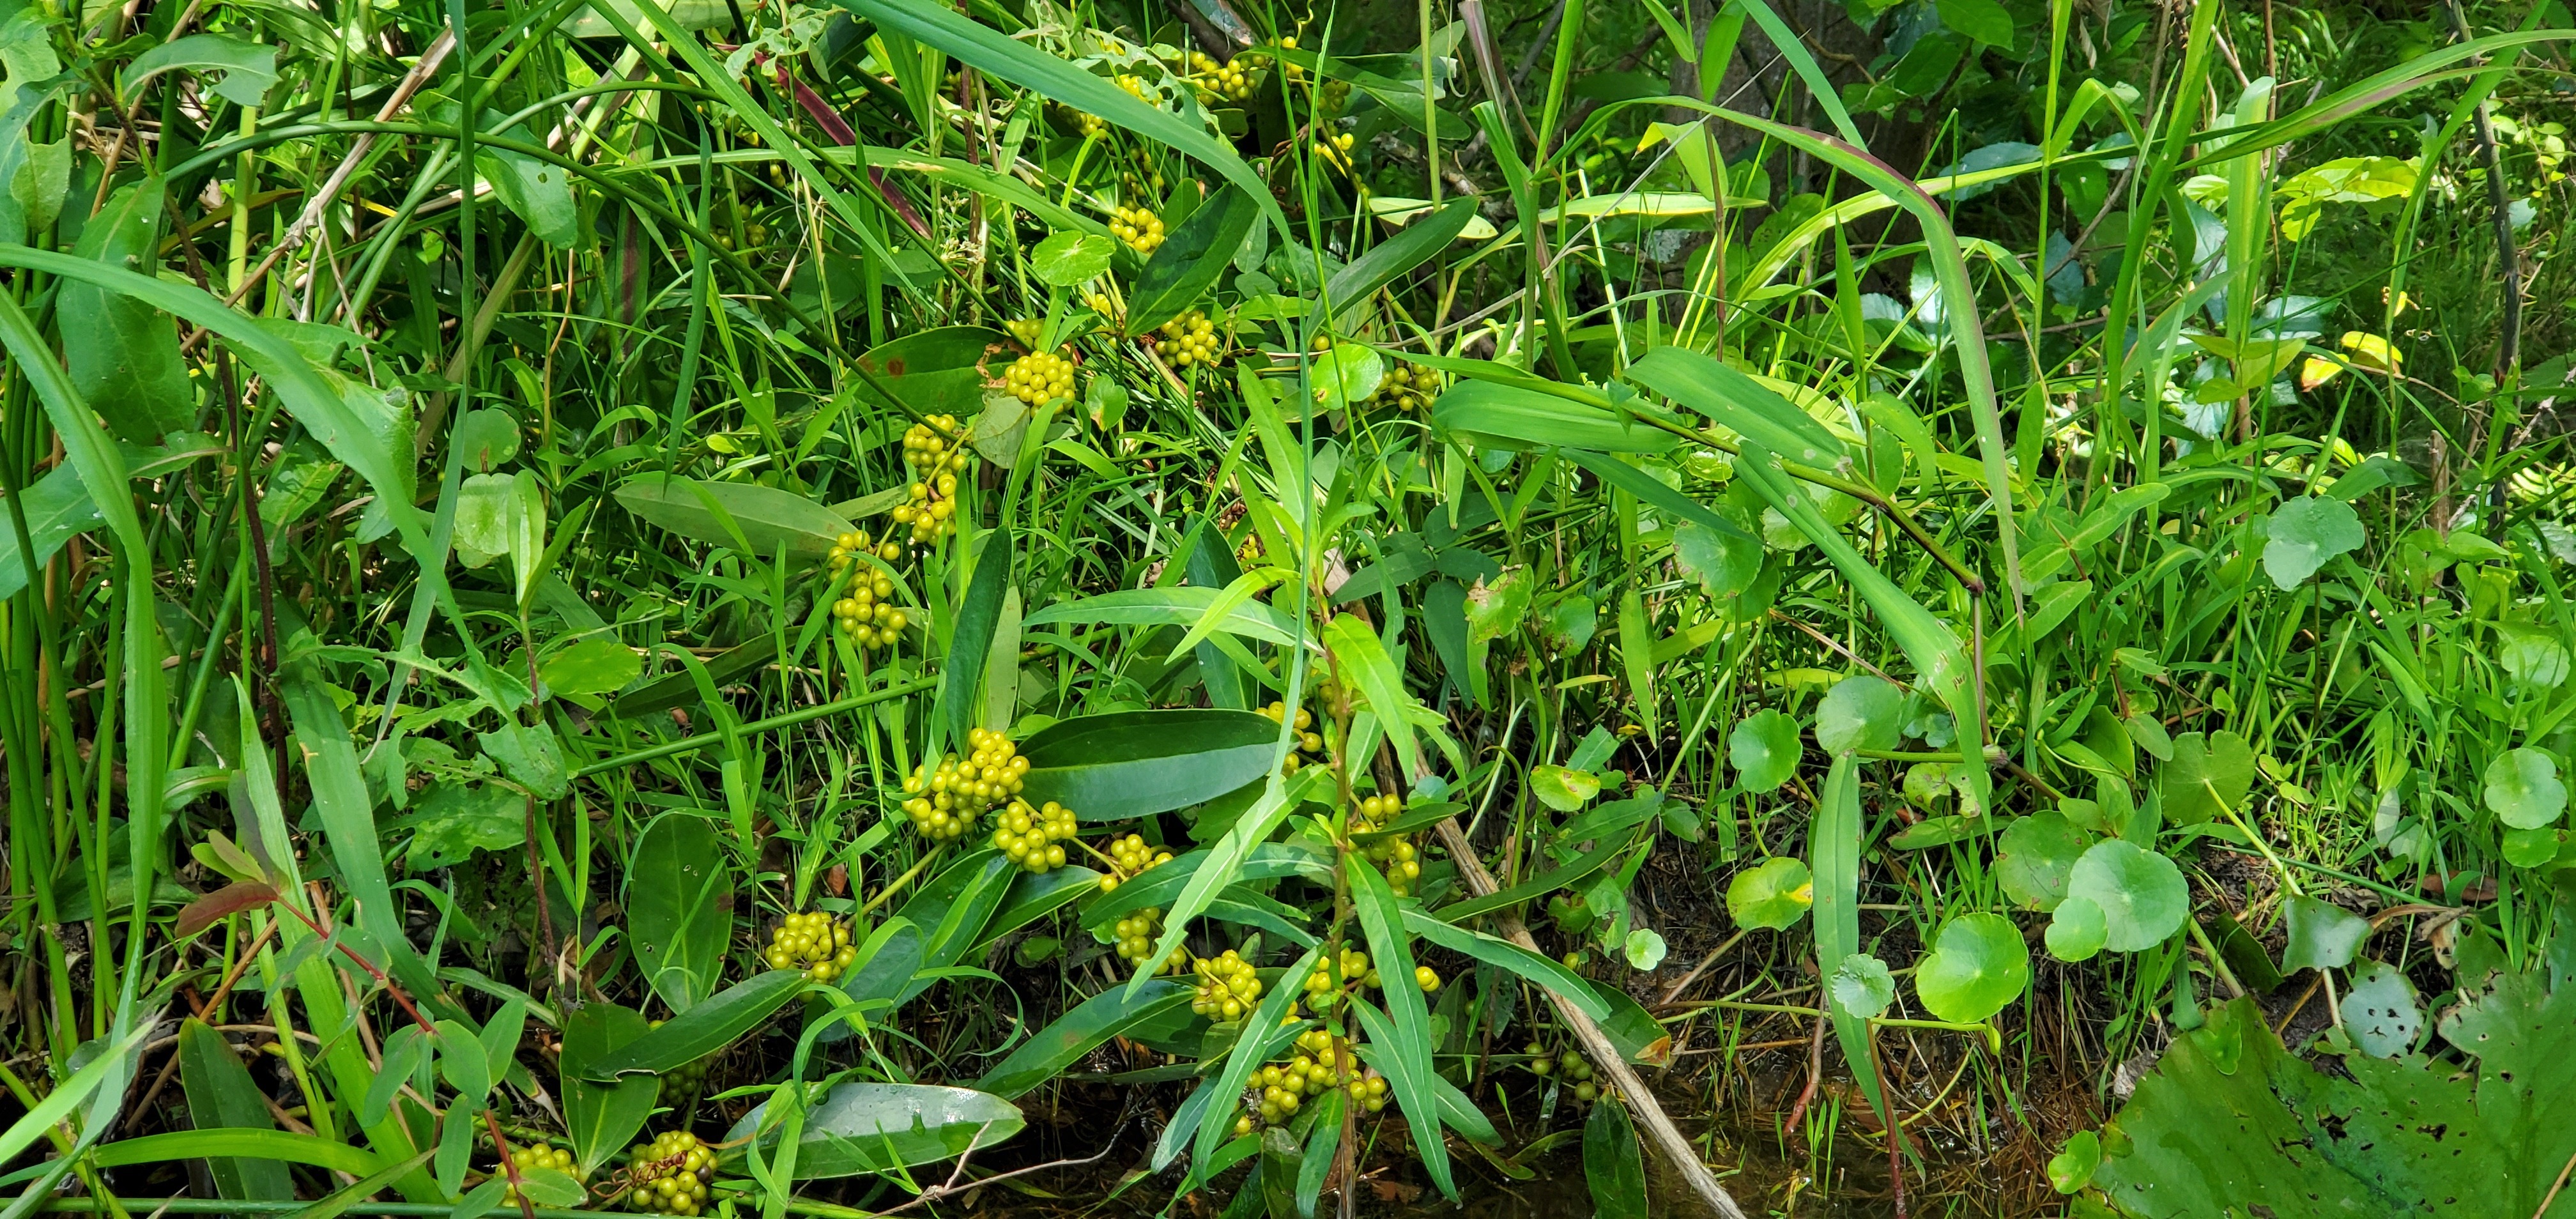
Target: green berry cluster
[(1137, 88), (1139, 227), (536, 1155), (1026, 330), (1227, 987), (847, 548), (947, 798), (1356, 968), (1396, 856), (1407, 387), (814, 942), (1218, 81), (1136, 934), (1310, 744), (1128, 859), (935, 462), (1034, 838), (670, 1175), (866, 615), (1193, 338), (1316, 1069), (1039, 377), (1571, 1066)]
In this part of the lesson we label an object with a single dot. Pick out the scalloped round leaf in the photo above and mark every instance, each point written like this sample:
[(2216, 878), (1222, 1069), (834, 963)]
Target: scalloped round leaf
[(1645, 949), (1069, 257), (1562, 789), (1863, 986), (1861, 712), (2523, 789), (2076, 930), (2141, 894), (1764, 749), (2307, 533), (1977, 965), (1771, 895)]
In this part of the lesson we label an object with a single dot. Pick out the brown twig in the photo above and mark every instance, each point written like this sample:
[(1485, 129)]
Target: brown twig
[(1658, 1127), (1815, 1073)]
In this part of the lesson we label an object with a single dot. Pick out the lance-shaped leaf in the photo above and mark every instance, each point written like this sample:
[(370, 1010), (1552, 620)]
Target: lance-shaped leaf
[(862, 1128), (1135, 763), (1091, 1024)]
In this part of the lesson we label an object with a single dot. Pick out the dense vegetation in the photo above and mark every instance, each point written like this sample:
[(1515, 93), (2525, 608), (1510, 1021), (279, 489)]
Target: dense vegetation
[(1227, 609)]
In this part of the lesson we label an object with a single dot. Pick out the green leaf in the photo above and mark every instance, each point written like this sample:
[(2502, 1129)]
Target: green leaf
[(530, 756), (280, 1147), (1772, 895), (222, 1095), (1344, 376), (1512, 416), (349, 824), (679, 908), (1532, 967), (1861, 712), (601, 664), (2523, 789), (1035, 895), (1564, 876), (487, 517), (1190, 260), (248, 70), (123, 354), (2077, 930), (1090, 1025), (1182, 605), (1404, 1047), (1863, 986), (1978, 964), (2208, 776), (1833, 842), (1645, 949), (1047, 76), (1764, 749), (2322, 935), (1068, 258), (454, 820), (704, 1029), (2305, 534), (2380, 1011), (2141, 894), (600, 1118), (1983, 20), (1366, 666), (1122, 764), (2072, 1168), (1417, 243), (862, 1128), (743, 516), (1725, 563), (1614, 1167), (1738, 403), (961, 674), (939, 371), (1564, 790), (58, 509), (2039, 853)]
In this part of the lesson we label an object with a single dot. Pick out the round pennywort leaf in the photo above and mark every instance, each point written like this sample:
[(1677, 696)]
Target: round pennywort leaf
[(2141, 894), (1764, 749), (1861, 712), (1977, 965), (2076, 930), (1863, 986), (1771, 895), (2523, 789)]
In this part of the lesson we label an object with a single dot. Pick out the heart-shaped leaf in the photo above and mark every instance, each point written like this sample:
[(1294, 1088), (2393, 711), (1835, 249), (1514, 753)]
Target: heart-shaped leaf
[(1977, 965), (1067, 258), (2208, 776)]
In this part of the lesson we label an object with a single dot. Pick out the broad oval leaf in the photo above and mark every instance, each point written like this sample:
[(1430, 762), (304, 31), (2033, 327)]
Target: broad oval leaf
[(704, 1029), (1614, 1168), (123, 354), (1562, 789), (767, 518), (1771, 895), (1133, 763), (864, 1128), (2381, 1012), (600, 1118), (1187, 264), (939, 371), (2141, 894), (597, 665), (679, 908), (1977, 965)]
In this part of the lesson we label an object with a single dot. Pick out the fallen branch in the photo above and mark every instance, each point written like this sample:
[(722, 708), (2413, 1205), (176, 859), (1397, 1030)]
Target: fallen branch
[(1660, 1131)]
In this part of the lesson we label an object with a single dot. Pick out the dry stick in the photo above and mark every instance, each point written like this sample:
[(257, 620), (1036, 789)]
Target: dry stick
[(2554, 1187), (1659, 1128), (1815, 1073), (331, 186)]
